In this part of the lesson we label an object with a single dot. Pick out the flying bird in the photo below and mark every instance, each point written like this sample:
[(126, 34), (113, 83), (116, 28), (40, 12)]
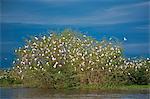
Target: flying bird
[(125, 39)]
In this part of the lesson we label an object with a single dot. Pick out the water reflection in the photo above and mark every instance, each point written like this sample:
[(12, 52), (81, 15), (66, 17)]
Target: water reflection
[(33, 93)]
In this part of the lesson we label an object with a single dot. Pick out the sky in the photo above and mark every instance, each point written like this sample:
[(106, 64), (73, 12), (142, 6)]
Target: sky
[(97, 18)]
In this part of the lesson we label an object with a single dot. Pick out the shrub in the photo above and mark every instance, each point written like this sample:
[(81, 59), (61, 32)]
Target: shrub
[(70, 59), (139, 73), (6, 79)]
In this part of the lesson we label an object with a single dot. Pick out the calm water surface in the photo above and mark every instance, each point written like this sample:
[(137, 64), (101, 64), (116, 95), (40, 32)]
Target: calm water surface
[(34, 93)]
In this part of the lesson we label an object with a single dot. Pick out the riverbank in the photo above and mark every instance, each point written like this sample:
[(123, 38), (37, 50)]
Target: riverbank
[(89, 87), (116, 87)]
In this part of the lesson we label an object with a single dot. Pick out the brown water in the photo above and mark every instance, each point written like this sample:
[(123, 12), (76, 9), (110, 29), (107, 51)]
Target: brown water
[(34, 93)]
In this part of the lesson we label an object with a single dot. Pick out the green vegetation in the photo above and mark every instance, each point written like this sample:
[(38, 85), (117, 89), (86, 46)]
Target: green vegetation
[(71, 60), (118, 87), (7, 80)]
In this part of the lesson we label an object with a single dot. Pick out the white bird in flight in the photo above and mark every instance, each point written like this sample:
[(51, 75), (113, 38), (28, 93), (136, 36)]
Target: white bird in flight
[(125, 39)]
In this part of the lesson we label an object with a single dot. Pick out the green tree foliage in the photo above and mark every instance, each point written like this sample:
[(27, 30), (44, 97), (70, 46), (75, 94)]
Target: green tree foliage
[(70, 59)]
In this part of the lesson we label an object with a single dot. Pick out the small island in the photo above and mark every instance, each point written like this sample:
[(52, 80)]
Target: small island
[(71, 60)]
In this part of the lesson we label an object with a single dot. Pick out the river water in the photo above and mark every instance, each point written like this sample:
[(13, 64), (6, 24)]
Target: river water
[(34, 93)]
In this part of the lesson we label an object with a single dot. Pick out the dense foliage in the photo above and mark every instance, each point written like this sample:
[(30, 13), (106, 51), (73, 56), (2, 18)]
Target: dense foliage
[(69, 60)]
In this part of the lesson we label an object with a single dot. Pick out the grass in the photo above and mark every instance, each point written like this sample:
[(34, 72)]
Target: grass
[(106, 87), (88, 87)]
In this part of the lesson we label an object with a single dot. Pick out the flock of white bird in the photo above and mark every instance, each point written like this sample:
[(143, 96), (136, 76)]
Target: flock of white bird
[(80, 52)]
